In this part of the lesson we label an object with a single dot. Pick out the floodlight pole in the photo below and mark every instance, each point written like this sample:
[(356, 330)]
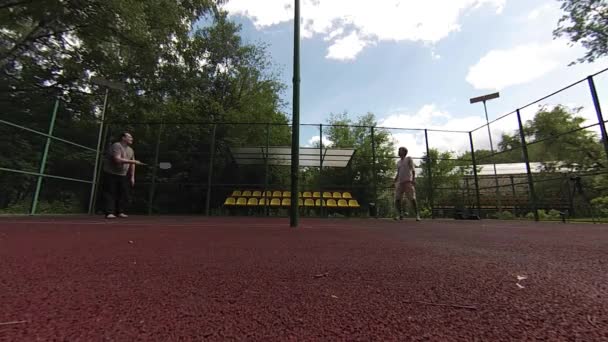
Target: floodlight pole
[(295, 134), (485, 108)]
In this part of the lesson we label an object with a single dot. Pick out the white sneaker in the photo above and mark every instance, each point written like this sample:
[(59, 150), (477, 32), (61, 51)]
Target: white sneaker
[(110, 216), (121, 215), (418, 218)]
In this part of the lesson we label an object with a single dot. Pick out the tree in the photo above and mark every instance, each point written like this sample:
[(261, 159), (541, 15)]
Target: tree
[(173, 73), (447, 173), (358, 176), (585, 22)]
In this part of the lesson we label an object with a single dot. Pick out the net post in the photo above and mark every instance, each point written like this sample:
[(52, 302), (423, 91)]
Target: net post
[(429, 174), (98, 153), (524, 148), (210, 172), (476, 178), (45, 154)]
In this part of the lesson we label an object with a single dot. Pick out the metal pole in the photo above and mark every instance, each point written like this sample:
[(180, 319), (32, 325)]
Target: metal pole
[(98, 154), (295, 135), (321, 168), (429, 172), (598, 111), (374, 175), (514, 195), (43, 160), (210, 173), (524, 148), (266, 154), (475, 174), (498, 199), (154, 169)]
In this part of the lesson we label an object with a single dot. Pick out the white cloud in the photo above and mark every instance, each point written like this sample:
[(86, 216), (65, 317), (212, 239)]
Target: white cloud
[(315, 140), (383, 20), (544, 10), (347, 48), (432, 118), (499, 69)]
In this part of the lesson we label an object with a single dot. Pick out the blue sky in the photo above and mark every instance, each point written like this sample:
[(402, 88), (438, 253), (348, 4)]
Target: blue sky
[(415, 64)]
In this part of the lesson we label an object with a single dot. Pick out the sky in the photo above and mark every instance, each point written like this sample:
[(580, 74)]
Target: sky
[(416, 64)]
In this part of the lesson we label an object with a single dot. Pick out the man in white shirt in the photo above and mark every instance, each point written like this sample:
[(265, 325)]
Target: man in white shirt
[(405, 183)]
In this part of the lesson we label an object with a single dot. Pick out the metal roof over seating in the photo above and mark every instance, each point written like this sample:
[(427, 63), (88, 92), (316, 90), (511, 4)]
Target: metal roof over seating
[(281, 155)]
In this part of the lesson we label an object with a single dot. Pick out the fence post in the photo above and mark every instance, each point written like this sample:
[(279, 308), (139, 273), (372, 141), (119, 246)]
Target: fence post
[(524, 148), (375, 176), (598, 111), (210, 172), (43, 160), (98, 153), (321, 168), (266, 211), (429, 173), (475, 174), (155, 169), (295, 132)]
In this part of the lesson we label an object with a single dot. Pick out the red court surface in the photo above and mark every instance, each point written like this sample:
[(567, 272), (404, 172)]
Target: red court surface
[(185, 278)]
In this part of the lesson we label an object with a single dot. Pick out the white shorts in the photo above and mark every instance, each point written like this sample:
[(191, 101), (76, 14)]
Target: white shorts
[(408, 188)]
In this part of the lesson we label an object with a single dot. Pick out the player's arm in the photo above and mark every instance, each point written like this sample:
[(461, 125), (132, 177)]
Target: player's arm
[(413, 168), (132, 171)]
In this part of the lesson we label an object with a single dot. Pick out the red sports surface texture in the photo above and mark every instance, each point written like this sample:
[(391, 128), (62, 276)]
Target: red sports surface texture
[(179, 278)]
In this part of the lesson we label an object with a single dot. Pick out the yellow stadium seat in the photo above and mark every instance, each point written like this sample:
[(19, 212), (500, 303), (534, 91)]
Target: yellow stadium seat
[(307, 194), (275, 202), (241, 201), (257, 194), (230, 201), (331, 203), (347, 195), (316, 194), (236, 193), (286, 202), (309, 202), (268, 194), (319, 203), (327, 194), (300, 194), (277, 194), (262, 202), (337, 195), (353, 204), (252, 202), (287, 194), (342, 203), (300, 203), (246, 193)]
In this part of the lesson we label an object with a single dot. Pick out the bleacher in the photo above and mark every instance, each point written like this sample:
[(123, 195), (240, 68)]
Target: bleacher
[(282, 199)]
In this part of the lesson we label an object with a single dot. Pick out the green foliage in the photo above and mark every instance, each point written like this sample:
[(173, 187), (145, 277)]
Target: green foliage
[(446, 174), (543, 215), (600, 204), (585, 22), (505, 215), (358, 177)]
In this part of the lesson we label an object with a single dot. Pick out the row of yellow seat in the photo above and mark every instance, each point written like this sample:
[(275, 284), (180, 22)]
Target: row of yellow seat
[(287, 194), (286, 202)]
